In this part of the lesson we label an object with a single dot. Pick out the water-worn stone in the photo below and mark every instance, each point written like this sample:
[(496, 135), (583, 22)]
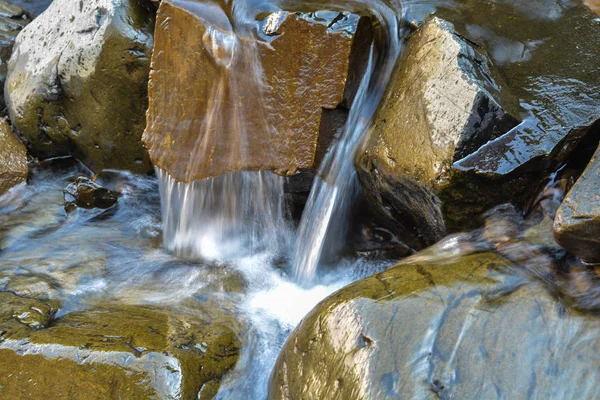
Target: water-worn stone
[(12, 20), (119, 351), (13, 158), (77, 82), (85, 193), (444, 101), (577, 223), (467, 327), (208, 119)]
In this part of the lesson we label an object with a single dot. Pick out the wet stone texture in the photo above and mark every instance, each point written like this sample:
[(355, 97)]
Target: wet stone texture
[(559, 95), (577, 223), (208, 118), (77, 82), (461, 327), (85, 193), (12, 20), (114, 351), (445, 100), (13, 158)]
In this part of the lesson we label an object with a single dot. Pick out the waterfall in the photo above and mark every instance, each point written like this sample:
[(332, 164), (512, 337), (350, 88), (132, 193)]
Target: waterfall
[(325, 219), (243, 212)]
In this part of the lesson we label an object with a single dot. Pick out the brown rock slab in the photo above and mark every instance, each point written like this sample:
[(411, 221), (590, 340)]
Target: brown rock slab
[(205, 115), (577, 223), (13, 158), (77, 83)]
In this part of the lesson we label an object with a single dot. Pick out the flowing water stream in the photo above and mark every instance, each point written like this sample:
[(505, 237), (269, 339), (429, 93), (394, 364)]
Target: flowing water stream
[(177, 244)]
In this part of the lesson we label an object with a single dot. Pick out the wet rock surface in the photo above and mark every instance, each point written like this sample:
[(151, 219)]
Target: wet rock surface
[(35, 7), (445, 100), (12, 20), (77, 83), (13, 158), (209, 120), (470, 326), (559, 109), (126, 351), (577, 224), (85, 193)]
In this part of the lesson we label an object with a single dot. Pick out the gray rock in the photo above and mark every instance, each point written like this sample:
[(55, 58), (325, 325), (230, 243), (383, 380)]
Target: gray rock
[(77, 82), (470, 327), (577, 223)]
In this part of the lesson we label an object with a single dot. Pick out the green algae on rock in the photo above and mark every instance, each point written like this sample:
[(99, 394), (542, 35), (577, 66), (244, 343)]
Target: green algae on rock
[(136, 352), (209, 119), (444, 101), (77, 82), (577, 223), (462, 327), (13, 158)]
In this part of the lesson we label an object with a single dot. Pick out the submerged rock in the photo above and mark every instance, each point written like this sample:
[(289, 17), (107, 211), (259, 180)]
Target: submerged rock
[(210, 118), (85, 193), (33, 313), (577, 223), (77, 82), (13, 158), (138, 352), (444, 101), (461, 327), (12, 20)]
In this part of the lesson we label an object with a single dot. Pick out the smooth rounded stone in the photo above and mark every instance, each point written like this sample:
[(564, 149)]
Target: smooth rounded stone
[(577, 223), (12, 20), (444, 101), (13, 158), (133, 352), (77, 82), (468, 327), (210, 118), (85, 193)]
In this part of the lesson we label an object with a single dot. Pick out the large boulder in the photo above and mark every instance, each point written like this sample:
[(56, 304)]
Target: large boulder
[(210, 117), (467, 327), (559, 98), (13, 158), (12, 20), (577, 223), (77, 82), (445, 100), (115, 351)]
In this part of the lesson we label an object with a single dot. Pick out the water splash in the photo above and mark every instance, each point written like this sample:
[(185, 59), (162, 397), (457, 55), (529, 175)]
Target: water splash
[(225, 217)]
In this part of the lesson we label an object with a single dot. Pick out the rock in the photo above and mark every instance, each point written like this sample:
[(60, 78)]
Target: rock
[(445, 100), (577, 223), (85, 193), (12, 20), (77, 82), (13, 159), (462, 327), (195, 117), (133, 352), (594, 5), (559, 97), (33, 313)]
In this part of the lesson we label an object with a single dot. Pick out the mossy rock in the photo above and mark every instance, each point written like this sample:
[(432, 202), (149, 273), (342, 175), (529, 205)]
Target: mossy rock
[(120, 351), (468, 327)]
